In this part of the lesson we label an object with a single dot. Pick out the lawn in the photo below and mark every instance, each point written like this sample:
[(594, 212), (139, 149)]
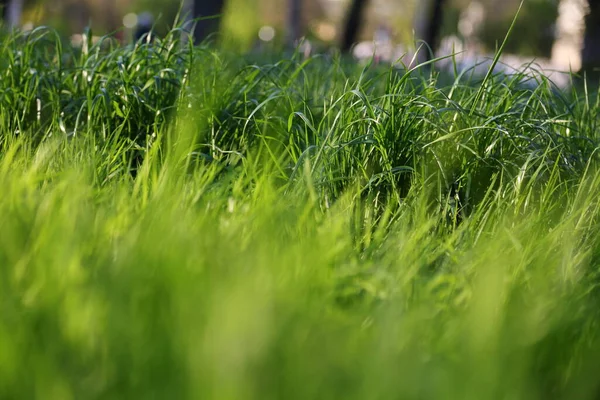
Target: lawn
[(186, 223)]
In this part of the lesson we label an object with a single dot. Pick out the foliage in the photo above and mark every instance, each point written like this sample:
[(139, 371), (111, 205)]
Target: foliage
[(181, 222), (534, 32)]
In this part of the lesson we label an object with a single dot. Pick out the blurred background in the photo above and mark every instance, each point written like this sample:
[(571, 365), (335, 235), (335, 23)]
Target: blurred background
[(551, 31)]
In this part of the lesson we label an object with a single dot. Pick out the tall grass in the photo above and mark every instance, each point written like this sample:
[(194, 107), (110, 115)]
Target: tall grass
[(180, 222)]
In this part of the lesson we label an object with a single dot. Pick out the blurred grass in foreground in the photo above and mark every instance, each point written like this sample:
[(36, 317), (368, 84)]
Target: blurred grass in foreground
[(183, 223)]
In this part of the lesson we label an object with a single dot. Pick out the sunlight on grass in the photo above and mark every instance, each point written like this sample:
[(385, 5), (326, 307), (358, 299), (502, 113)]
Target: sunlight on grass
[(181, 222)]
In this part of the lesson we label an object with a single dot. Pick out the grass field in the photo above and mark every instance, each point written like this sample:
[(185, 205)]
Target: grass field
[(180, 222)]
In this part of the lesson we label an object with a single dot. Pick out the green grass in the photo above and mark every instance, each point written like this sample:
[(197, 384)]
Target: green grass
[(187, 223)]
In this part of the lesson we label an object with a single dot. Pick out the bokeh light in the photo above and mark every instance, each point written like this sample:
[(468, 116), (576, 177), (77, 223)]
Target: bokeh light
[(130, 20), (266, 33)]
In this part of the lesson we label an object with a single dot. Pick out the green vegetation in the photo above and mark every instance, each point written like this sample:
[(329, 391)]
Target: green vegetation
[(187, 223)]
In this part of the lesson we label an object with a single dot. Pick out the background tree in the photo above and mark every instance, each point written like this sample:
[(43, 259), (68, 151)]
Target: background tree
[(428, 26), (353, 24), (209, 14), (429, 30), (294, 21), (11, 12), (590, 53), (3, 4), (431, 36)]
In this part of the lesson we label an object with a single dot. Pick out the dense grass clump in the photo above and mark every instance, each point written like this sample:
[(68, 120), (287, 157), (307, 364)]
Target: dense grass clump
[(179, 222)]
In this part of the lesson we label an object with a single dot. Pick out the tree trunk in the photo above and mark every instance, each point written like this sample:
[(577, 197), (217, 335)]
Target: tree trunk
[(566, 50), (432, 34), (429, 26), (12, 11), (3, 5), (590, 54), (209, 14), (294, 21), (110, 17), (353, 24)]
